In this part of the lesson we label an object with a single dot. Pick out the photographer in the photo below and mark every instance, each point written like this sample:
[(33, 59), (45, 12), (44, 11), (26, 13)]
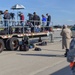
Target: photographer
[(6, 17), (12, 18), (21, 15)]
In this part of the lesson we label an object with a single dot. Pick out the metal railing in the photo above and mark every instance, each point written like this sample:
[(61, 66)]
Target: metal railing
[(27, 27), (24, 26)]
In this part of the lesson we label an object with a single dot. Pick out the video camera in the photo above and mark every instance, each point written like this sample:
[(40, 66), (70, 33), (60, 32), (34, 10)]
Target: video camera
[(12, 15), (19, 13)]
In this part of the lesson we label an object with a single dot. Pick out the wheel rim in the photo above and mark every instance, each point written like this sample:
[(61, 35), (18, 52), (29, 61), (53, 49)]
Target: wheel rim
[(15, 43)]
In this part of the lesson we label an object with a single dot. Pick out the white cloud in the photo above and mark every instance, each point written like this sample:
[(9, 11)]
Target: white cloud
[(67, 11), (70, 20)]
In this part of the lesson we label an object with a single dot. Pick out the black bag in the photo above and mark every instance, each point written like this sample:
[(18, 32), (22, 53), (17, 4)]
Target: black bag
[(37, 49), (23, 48), (25, 41), (17, 30)]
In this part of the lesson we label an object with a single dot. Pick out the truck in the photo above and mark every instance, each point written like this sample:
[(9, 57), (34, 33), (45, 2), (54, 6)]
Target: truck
[(10, 40)]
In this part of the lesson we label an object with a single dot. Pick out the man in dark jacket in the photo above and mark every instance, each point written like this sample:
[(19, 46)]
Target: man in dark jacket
[(48, 20), (36, 19)]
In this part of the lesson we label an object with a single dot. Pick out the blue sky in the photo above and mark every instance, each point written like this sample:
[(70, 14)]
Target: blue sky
[(61, 11)]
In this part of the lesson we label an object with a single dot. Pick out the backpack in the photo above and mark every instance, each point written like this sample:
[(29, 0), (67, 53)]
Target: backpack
[(37, 49), (23, 47)]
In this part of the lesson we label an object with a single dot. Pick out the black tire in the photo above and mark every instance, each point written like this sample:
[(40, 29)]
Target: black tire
[(1, 45), (12, 43), (7, 44)]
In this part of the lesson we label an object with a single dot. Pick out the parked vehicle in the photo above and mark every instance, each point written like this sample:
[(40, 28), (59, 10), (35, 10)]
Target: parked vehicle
[(9, 38)]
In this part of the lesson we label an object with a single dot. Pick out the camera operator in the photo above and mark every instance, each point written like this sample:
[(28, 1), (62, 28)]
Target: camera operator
[(21, 15), (12, 18), (6, 17)]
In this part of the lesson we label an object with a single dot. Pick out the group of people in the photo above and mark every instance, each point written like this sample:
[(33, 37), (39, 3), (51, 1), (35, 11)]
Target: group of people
[(35, 23), (68, 42), (10, 16), (34, 19), (46, 21)]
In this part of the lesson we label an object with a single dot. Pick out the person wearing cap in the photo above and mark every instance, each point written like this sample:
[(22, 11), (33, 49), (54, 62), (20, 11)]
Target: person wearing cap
[(43, 21), (66, 38), (48, 21)]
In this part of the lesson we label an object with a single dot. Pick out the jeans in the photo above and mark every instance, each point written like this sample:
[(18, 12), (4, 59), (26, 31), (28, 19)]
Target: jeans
[(22, 23), (6, 23)]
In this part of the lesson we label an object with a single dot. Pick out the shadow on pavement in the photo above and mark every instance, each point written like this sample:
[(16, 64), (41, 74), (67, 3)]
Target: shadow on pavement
[(44, 55), (64, 71), (54, 50)]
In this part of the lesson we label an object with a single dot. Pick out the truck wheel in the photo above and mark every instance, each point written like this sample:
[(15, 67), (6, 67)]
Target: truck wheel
[(7, 44), (1, 45), (12, 43)]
